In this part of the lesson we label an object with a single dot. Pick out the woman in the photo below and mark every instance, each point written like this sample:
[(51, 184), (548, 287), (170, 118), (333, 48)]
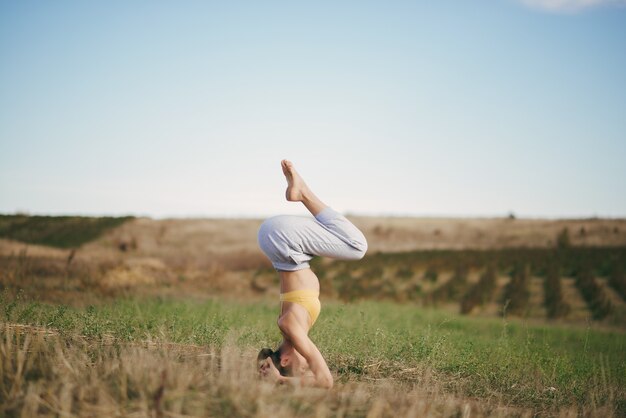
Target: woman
[(290, 242)]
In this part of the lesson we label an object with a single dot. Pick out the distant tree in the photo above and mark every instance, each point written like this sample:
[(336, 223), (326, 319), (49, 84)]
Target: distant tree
[(562, 240), (597, 301), (618, 279), (431, 274), (553, 295), (481, 292), (454, 287), (404, 273)]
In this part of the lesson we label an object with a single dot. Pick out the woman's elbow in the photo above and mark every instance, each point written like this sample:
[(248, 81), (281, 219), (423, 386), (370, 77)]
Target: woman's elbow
[(327, 382)]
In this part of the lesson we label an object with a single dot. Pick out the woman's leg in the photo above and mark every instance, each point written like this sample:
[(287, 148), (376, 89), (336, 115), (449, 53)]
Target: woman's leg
[(298, 191), (291, 241), (337, 224)]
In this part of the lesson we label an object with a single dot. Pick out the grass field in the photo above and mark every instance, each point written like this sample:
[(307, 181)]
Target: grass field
[(165, 318), (198, 359)]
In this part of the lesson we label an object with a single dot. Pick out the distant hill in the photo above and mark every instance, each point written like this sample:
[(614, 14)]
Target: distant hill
[(567, 269), (56, 231)]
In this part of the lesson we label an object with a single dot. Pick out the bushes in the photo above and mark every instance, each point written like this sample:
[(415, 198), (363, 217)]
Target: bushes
[(404, 273), (554, 303), (481, 292), (617, 280), (452, 289), (56, 231), (593, 294), (398, 276), (563, 240), (431, 274), (570, 260), (516, 292)]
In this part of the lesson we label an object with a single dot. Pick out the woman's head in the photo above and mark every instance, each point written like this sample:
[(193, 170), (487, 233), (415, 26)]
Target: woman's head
[(275, 357), (286, 359)]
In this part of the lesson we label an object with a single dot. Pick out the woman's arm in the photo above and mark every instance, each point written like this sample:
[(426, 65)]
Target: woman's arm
[(303, 344)]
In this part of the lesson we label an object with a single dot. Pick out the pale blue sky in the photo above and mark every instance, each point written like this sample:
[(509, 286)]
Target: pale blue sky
[(462, 108)]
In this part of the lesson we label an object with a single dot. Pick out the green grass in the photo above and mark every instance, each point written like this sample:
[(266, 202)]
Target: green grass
[(476, 357), (56, 231)]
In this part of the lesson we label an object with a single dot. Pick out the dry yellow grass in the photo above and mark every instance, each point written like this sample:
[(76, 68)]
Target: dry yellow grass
[(45, 374), (393, 234)]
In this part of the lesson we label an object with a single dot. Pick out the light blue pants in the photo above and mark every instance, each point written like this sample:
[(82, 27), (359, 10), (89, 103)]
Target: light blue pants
[(290, 241)]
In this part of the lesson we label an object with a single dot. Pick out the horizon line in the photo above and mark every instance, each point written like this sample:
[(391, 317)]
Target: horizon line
[(509, 215)]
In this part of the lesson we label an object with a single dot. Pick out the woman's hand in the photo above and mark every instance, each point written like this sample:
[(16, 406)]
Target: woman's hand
[(268, 371)]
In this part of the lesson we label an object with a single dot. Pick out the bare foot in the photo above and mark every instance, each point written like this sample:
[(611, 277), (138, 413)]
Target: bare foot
[(296, 187)]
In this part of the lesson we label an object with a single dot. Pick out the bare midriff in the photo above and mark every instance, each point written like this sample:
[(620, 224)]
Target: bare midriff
[(298, 280)]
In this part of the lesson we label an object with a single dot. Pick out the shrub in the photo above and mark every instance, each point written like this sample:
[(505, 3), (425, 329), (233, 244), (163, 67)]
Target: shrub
[(481, 292), (56, 231), (618, 279), (516, 293), (554, 302), (453, 288), (596, 299), (431, 274), (563, 240), (404, 273)]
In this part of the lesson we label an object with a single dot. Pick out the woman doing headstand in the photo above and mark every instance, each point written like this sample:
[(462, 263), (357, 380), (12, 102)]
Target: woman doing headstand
[(290, 242)]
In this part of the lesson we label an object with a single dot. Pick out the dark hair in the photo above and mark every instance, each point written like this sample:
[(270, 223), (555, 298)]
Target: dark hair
[(275, 356)]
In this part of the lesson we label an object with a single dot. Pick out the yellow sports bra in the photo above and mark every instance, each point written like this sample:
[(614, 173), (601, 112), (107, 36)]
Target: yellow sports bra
[(307, 298)]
